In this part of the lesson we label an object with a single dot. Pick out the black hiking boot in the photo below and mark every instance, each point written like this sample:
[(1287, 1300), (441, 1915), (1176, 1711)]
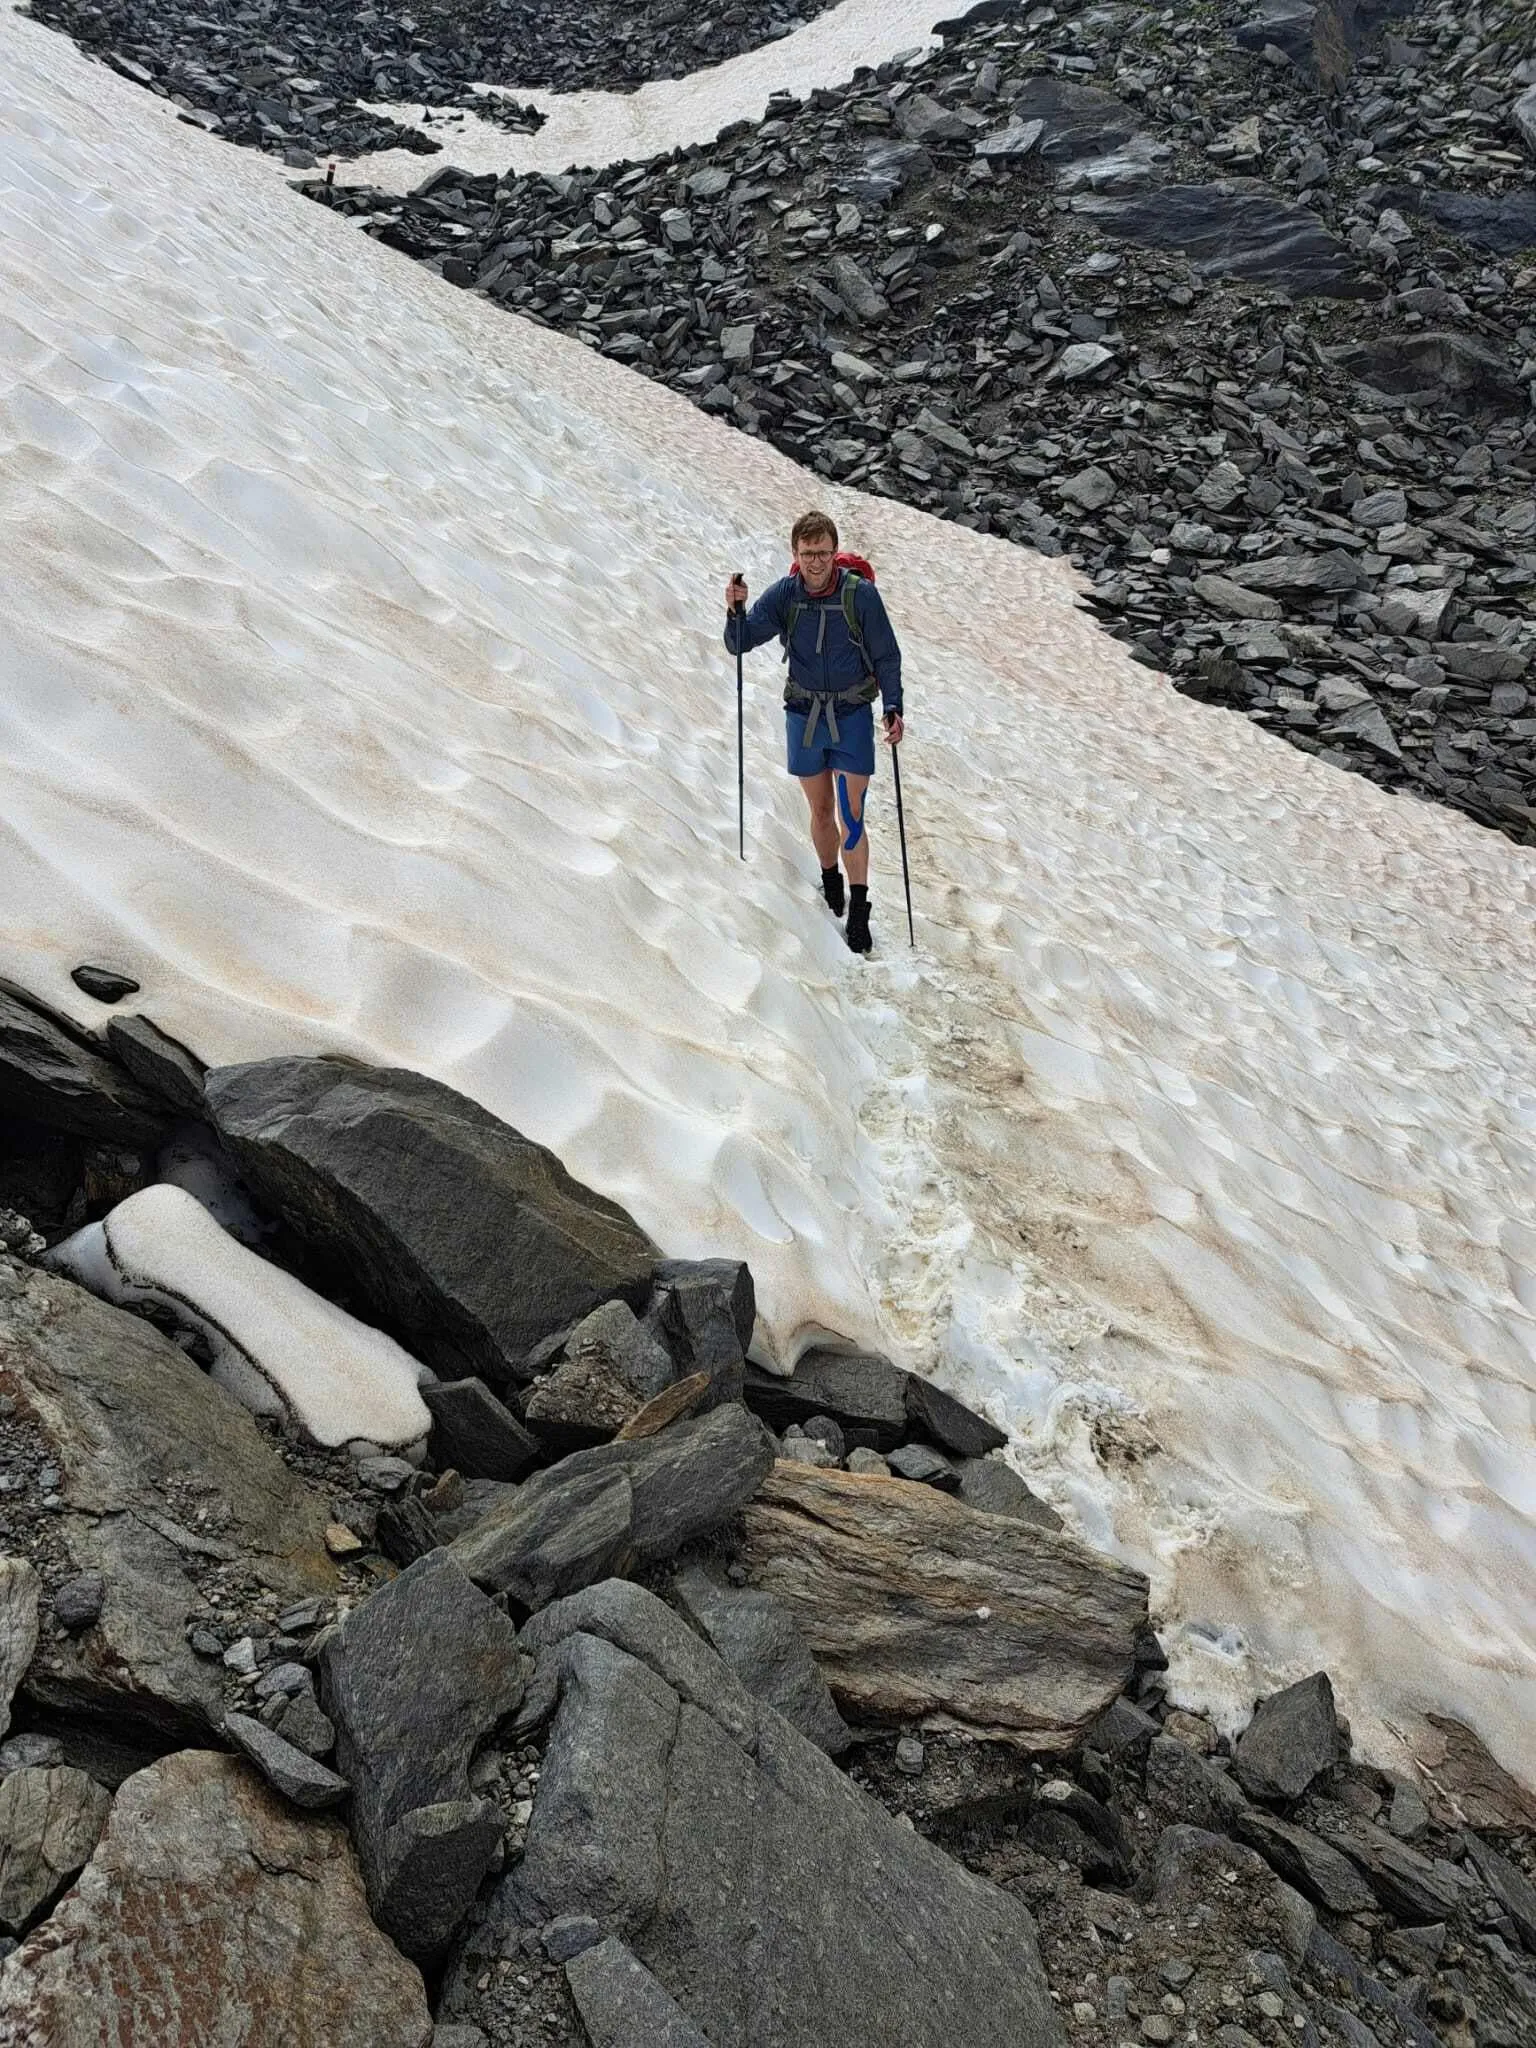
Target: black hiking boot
[(857, 929), (832, 889)]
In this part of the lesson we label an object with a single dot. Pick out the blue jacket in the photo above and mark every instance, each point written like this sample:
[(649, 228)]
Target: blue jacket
[(824, 656)]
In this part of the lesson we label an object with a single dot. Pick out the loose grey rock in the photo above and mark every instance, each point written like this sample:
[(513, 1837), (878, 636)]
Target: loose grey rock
[(868, 1462), (159, 1063), (52, 1074), (172, 1430), (761, 1643), (598, 1512), (287, 1769), (79, 1601), (476, 1434), (996, 1489), (922, 1463), (1179, 1782), (302, 1723), (23, 1752), (621, 2004), (1293, 1735), (406, 1731), (571, 1935), (1321, 1872), (103, 984)]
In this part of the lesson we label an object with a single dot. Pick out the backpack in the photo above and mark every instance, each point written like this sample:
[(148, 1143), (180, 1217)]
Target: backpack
[(857, 570)]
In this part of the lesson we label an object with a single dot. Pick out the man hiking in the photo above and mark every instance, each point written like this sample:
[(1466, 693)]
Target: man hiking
[(842, 654)]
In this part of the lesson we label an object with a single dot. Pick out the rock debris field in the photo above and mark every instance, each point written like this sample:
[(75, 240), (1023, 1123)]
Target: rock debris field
[(623, 1692), (1235, 310)]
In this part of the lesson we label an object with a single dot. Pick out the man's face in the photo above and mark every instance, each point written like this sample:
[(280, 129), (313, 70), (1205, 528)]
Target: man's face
[(815, 560)]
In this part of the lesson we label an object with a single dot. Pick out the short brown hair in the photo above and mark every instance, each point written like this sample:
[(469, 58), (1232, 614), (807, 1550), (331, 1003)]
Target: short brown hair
[(812, 526)]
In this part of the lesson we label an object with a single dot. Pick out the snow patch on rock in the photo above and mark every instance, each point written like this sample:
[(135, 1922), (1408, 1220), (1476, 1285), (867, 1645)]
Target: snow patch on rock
[(277, 1346)]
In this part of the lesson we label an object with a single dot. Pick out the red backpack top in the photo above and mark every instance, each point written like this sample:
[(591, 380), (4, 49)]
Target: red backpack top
[(844, 559)]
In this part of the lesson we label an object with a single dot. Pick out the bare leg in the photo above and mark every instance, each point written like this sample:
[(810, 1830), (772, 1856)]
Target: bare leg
[(855, 858), (825, 832)]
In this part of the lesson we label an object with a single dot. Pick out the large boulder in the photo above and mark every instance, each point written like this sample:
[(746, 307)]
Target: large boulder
[(774, 1902), (414, 1680), (471, 1241), (599, 1513), (915, 1606), (52, 1074), (210, 1913), (134, 1426), (1247, 235)]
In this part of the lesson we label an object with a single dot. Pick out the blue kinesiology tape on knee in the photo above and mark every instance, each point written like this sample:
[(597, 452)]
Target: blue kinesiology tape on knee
[(855, 825)]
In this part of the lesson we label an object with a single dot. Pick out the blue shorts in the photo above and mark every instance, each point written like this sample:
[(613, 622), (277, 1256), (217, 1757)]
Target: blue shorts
[(854, 753)]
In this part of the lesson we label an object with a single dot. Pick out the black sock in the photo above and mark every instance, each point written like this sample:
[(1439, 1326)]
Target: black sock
[(832, 889)]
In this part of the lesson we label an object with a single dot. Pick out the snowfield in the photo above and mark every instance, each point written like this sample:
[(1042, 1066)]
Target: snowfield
[(361, 687)]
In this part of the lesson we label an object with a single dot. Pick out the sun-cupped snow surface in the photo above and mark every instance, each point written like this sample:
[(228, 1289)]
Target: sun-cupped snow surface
[(594, 128), (362, 688), (276, 1345)]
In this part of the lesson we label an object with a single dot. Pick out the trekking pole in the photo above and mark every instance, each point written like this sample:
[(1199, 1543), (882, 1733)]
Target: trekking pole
[(901, 827), (741, 759)]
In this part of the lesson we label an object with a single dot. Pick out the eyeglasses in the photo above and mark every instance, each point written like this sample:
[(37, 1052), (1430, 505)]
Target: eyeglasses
[(817, 554)]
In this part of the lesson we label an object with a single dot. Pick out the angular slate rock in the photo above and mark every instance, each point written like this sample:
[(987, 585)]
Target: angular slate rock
[(436, 1857), (50, 1823), (598, 1513), (994, 1488), (471, 1241), (913, 1605), (52, 1075), (302, 1723), (613, 1365), (948, 1422), (621, 2004), (207, 1899), (1415, 1888), (286, 1769), (476, 1434), (158, 1062), (645, 1628), (683, 1397), (1235, 234), (1077, 120), (1318, 1870), (760, 1641), (860, 1391), (1122, 1727), (1435, 367), (413, 1680), (1293, 1735), (1466, 1786), (923, 1464), (779, 1905), (705, 1310), (1509, 1885)]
